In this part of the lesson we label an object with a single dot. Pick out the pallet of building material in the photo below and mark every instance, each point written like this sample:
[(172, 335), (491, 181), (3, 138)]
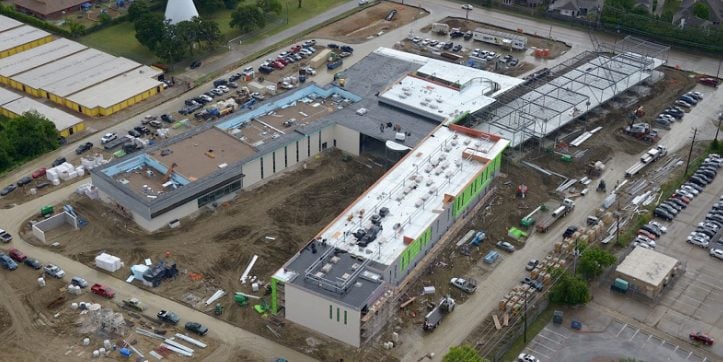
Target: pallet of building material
[(502, 304), (497, 322), (506, 320), (407, 302)]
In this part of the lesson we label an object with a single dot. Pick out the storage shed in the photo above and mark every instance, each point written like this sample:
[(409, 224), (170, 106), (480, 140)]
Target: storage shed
[(648, 271)]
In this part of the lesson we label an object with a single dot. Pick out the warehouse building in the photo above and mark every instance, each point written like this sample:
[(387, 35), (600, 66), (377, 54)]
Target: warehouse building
[(17, 39), (214, 161), (7, 23), (46, 9), (13, 105), (647, 271), (33, 58)]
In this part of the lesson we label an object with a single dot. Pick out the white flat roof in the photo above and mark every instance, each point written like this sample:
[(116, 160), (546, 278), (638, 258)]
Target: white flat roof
[(91, 76), (441, 90), (63, 68), (7, 96), (413, 195), (648, 266), (118, 89), (21, 35), (38, 56), (61, 119), (7, 23)]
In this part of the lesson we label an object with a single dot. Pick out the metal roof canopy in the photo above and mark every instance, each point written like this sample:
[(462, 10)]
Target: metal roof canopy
[(91, 76), (61, 119), (38, 56), (7, 23), (21, 35), (63, 68), (115, 90)]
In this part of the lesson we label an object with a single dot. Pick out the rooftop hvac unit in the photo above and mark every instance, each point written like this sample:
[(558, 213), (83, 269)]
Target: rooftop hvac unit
[(444, 164), (355, 266), (449, 174), (439, 100), (407, 93), (345, 276), (334, 259), (408, 189), (428, 169), (425, 197), (466, 141), (447, 148), (384, 211), (432, 190), (434, 162), (418, 203), (327, 267), (454, 142), (458, 163), (371, 276), (442, 157), (319, 275), (430, 182), (428, 100), (438, 171), (399, 197)]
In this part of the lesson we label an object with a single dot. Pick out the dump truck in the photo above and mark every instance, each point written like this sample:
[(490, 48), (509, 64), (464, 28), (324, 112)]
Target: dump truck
[(647, 158), (549, 220), (432, 319)]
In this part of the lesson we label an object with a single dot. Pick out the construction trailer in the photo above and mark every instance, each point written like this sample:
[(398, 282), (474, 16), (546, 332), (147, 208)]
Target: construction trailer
[(499, 38)]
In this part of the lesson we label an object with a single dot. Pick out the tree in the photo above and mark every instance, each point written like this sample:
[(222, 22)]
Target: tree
[(76, 29), (270, 6), (569, 289), (138, 8), (149, 30), (209, 6), (701, 10), (248, 17), (463, 353), (231, 4), (208, 31), (299, 4), (171, 47), (105, 18), (593, 261)]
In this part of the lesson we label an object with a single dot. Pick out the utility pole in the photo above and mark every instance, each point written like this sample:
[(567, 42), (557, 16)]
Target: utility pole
[(617, 231), (720, 119), (524, 317), (690, 153), (574, 259), (718, 72)]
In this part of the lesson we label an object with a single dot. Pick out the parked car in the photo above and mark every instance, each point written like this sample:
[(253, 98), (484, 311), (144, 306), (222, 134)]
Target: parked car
[(526, 357), (457, 48), (533, 283), (702, 338), (698, 241), (54, 271), (466, 285), (197, 328), (24, 181), (5, 236), (682, 103), (7, 262), (717, 253), (33, 263), (38, 173), (134, 133), (467, 7), (652, 229), (17, 255), (346, 48), (108, 137), (59, 161), (506, 246), (168, 317), (658, 225), (79, 282), (195, 64), (8, 189), (102, 290), (663, 214), (158, 124), (532, 264), (85, 147), (709, 81)]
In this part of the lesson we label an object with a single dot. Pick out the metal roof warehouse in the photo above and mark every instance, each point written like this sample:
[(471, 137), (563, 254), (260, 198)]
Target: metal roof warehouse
[(36, 57), (21, 38)]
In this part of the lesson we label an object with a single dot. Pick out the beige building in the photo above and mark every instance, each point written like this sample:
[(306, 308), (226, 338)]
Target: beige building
[(648, 271)]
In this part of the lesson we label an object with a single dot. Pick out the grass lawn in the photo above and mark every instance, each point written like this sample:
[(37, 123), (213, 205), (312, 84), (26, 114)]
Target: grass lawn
[(532, 330), (119, 40)]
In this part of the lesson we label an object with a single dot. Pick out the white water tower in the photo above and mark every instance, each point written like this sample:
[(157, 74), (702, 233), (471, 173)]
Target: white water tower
[(180, 10)]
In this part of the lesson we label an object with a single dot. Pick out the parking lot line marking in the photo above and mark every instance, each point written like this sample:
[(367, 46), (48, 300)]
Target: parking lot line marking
[(689, 354), (649, 337), (549, 339), (538, 353), (635, 334), (555, 333), (676, 349), (621, 330), (539, 344)]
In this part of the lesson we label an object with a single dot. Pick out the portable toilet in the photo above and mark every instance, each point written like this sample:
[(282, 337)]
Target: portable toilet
[(46, 211)]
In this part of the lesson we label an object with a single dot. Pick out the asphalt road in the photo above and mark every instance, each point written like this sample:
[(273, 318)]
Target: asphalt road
[(462, 322)]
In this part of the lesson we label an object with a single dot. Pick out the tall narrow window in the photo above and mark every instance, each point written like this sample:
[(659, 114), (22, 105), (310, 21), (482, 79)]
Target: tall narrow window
[(261, 162), (297, 151), (286, 156), (337, 314), (273, 162), (331, 312), (308, 146), (344, 317)]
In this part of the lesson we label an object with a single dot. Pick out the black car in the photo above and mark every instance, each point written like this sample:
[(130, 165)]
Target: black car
[(142, 130), (134, 133), (653, 230), (569, 231), (234, 77), (189, 102), (448, 46), (675, 206), (24, 181), (663, 214), (332, 46), (195, 64), (42, 185), (457, 48), (219, 82), (674, 112), (346, 48), (671, 210), (8, 189), (702, 175), (698, 188), (85, 147), (198, 100), (197, 328), (706, 231), (468, 35), (265, 69), (698, 181), (167, 118), (707, 172), (59, 161), (675, 201), (33, 263)]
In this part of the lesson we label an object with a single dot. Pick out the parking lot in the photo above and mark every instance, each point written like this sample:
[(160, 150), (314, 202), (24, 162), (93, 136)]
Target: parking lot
[(693, 302), (605, 338)]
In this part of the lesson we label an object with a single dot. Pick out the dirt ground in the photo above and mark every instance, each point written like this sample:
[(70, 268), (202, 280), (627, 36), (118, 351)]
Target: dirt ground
[(533, 40), (370, 22), (272, 221), (60, 328)]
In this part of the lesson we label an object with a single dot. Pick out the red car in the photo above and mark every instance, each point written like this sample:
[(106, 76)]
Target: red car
[(295, 48), (102, 290), (647, 234), (702, 338), (709, 81), (278, 65), (38, 173), (17, 255)]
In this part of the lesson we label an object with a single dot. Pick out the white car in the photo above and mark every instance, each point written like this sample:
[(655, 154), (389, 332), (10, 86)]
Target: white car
[(717, 253), (697, 235), (526, 357), (54, 271), (642, 245), (646, 240), (108, 137), (224, 88), (660, 226), (698, 242), (467, 7)]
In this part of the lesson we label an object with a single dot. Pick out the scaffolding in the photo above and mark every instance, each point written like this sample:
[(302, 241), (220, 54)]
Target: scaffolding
[(551, 98)]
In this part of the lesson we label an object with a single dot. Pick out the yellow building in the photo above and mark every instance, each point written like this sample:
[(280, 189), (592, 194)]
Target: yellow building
[(117, 93), (13, 105), (36, 57), (22, 38)]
